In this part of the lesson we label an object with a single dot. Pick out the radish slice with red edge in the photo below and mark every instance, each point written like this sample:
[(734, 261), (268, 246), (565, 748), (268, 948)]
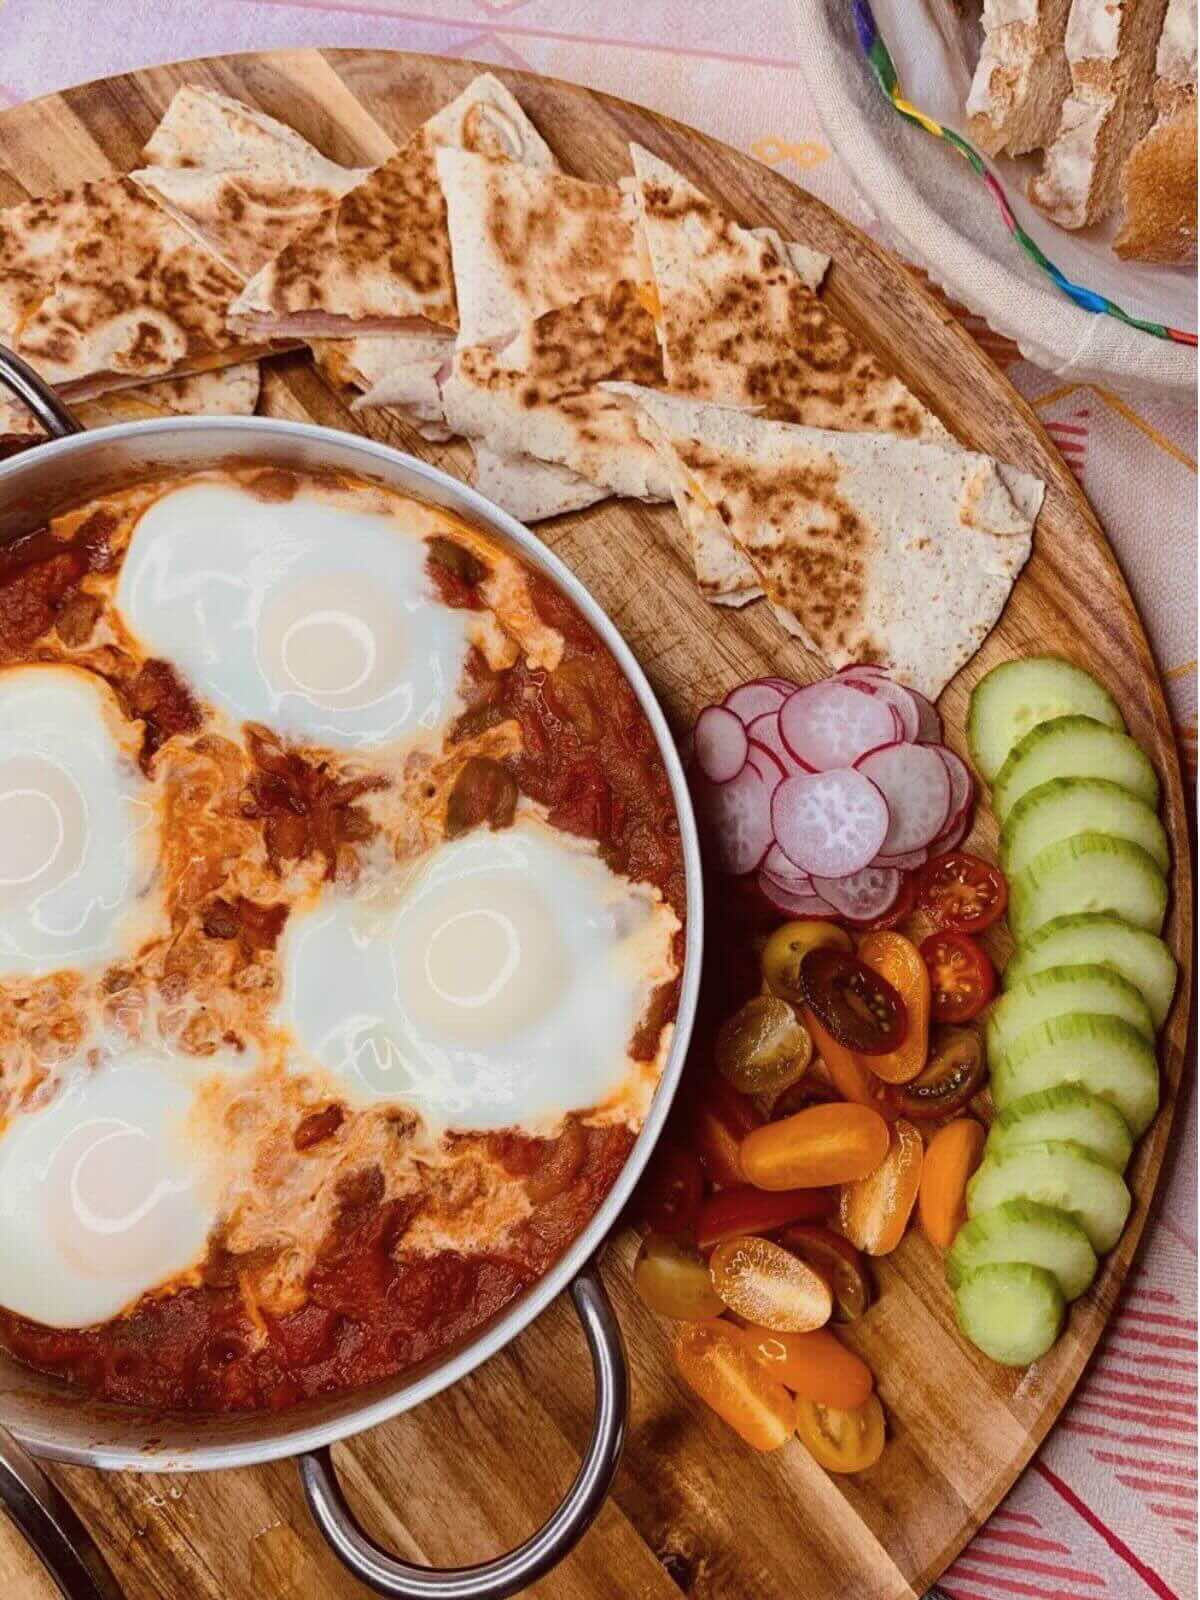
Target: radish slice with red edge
[(829, 823), (764, 730), (785, 873), (720, 744), (864, 895), (915, 782), (897, 697), (831, 725), (756, 698), (765, 762), (908, 862), (962, 784), (736, 817), (929, 730), (953, 837), (793, 905)]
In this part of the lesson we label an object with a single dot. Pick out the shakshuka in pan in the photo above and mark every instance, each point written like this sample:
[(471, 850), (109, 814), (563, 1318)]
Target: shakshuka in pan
[(341, 915)]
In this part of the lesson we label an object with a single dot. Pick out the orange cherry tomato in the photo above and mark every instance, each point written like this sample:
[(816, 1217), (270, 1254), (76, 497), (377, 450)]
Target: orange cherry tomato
[(898, 960), (963, 977), (953, 1074), (722, 1119), (838, 1262), (816, 1365), (743, 1209), (714, 1362), (669, 1195), (769, 1286), (842, 1441), (675, 1281), (850, 1078), (962, 893), (951, 1156), (875, 1210), (824, 1145)]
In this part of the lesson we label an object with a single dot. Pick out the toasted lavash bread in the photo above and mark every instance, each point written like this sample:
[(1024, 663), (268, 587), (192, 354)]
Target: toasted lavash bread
[(1111, 48), (880, 549), (527, 240), (379, 261), (1021, 78), (531, 490), (36, 237), (136, 299), (204, 128), (1158, 180), (228, 392)]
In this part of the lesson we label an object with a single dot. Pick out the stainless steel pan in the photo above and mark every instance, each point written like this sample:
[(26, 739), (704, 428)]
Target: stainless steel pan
[(40, 1418)]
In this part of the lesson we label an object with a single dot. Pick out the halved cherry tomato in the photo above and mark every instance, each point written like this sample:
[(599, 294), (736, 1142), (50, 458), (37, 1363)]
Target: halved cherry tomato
[(763, 1047), (838, 1262), (816, 1365), (875, 1210), (821, 1146), (850, 1078), (855, 1005), (963, 893), (901, 907), (787, 947), (963, 977), (675, 1281), (952, 1156), (954, 1072), (842, 1441), (743, 1209), (724, 1373), (722, 1119), (769, 1286), (670, 1193), (898, 961)]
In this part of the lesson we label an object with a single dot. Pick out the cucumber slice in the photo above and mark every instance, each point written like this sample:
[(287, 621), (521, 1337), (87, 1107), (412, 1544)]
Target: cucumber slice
[(1057, 992), (1090, 872), (1073, 747), (1021, 1230), (1011, 1311), (1017, 696), (1139, 956), (1067, 806), (1067, 1111), (1061, 1175), (1105, 1055)]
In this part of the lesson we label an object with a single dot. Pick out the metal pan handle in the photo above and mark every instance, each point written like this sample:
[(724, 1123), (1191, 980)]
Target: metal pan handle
[(37, 394), (508, 1574), (64, 1546)]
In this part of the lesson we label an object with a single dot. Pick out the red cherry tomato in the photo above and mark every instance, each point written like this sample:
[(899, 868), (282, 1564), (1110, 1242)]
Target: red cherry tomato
[(670, 1195), (744, 1209), (953, 1074), (962, 893), (962, 978)]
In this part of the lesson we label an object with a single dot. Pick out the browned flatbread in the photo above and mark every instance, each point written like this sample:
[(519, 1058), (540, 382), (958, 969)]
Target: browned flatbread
[(36, 237), (229, 392)]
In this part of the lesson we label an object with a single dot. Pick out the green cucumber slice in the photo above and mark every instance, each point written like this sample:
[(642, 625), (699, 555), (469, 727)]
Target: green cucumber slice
[(1106, 1056), (1017, 696), (1090, 872), (1073, 747), (1067, 1111), (1096, 937), (1011, 1311), (1064, 807), (1061, 1175), (1022, 1230), (1059, 991)]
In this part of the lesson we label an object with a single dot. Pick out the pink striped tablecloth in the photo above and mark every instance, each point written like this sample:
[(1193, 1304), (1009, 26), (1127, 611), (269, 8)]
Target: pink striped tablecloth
[(1108, 1511)]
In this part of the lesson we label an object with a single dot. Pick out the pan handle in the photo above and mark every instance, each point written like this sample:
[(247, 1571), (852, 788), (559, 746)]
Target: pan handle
[(65, 1547), (37, 394), (508, 1574)]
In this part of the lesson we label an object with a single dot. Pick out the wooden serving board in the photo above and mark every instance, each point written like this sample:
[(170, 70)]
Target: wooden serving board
[(474, 1470)]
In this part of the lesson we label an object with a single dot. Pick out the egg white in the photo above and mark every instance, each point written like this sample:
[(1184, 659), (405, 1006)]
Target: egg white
[(306, 614), (77, 834)]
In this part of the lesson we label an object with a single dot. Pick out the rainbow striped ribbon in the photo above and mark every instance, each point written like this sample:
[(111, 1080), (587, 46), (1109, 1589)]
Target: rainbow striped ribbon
[(884, 71)]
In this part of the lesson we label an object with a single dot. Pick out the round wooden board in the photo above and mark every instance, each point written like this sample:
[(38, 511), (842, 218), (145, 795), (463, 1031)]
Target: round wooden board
[(475, 1469)]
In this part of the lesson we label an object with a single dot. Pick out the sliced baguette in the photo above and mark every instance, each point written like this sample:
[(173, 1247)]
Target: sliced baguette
[(1022, 77), (1158, 180), (1110, 47)]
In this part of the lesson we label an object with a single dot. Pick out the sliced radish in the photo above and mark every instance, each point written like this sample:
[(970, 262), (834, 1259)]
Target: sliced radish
[(720, 743), (785, 873), (764, 730), (954, 835), (793, 905), (754, 699), (831, 823), (915, 782), (861, 669), (897, 697), (962, 784), (909, 861), (736, 817), (765, 762), (930, 730), (831, 725), (863, 895)]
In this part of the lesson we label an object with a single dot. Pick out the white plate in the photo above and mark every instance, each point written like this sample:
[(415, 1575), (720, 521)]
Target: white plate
[(940, 216)]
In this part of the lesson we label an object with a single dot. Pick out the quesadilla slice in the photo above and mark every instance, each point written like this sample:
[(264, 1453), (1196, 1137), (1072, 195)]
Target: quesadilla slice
[(531, 490), (36, 237), (229, 392), (379, 261), (881, 549)]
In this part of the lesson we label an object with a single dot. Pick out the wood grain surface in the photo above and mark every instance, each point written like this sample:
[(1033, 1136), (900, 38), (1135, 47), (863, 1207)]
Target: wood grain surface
[(475, 1469)]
